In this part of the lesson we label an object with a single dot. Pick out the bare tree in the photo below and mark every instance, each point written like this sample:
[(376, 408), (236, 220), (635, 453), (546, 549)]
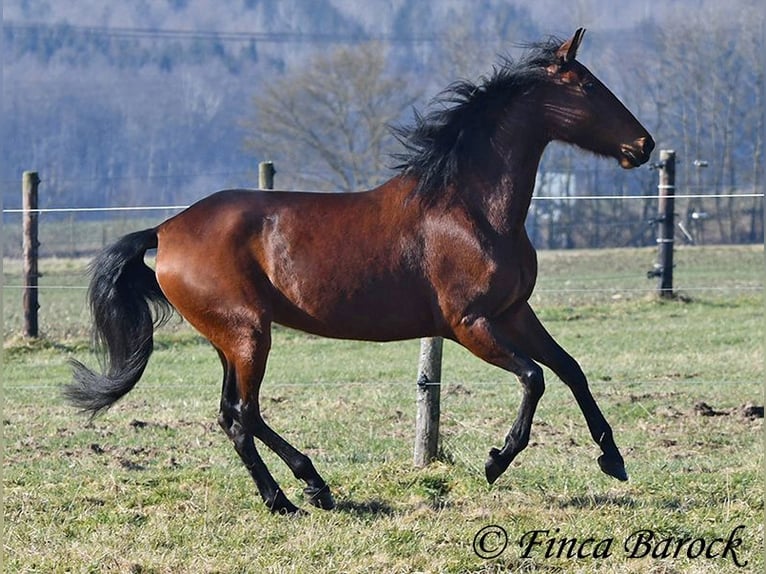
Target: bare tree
[(327, 123), (706, 85)]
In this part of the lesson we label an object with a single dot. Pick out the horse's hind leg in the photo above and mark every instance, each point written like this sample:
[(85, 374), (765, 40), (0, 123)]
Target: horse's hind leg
[(250, 366), (268, 488), (316, 490), (527, 331)]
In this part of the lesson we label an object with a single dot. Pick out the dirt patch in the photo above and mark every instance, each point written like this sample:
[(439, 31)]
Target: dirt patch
[(703, 409), (137, 425), (457, 389), (751, 411), (748, 411)]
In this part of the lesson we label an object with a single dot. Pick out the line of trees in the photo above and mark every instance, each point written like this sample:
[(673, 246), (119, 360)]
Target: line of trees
[(119, 118)]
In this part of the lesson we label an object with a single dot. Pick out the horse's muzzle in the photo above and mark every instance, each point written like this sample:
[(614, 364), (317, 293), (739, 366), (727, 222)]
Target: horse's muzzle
[(636, 153)]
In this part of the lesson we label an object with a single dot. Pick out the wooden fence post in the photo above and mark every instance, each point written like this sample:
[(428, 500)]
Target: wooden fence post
[(428, 396), (266, 173), (30, 243), (665, 219)]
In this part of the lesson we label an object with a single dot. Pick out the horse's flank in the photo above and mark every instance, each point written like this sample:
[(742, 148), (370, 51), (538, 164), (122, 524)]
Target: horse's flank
[(311, 255)]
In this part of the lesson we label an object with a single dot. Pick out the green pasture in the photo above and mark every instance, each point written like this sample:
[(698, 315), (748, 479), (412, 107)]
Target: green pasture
[(155, 487)]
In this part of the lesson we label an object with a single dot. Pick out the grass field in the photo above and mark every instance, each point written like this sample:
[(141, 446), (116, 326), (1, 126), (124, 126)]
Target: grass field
[(154, 486)]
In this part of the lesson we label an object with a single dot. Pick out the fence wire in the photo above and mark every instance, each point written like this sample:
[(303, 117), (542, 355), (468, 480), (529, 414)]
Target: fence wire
[(556, 198), (554, 222)]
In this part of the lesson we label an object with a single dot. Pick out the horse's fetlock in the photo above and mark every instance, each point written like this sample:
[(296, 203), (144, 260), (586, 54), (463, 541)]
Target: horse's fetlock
[(303, 468)]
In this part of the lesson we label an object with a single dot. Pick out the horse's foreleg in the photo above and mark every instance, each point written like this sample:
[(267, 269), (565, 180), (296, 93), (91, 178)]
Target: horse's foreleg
[(530, 335), (482, 337)]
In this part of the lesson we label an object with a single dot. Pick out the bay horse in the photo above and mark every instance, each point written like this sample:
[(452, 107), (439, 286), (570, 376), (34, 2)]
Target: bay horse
[(438, 250)]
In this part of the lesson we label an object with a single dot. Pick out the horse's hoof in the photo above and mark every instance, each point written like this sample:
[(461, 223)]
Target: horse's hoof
[(288, 509), (320, 497), (613, 467), (494, 466), (280, 504)]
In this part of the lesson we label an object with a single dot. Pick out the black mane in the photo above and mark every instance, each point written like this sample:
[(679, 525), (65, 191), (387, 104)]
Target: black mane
[(444, 140)]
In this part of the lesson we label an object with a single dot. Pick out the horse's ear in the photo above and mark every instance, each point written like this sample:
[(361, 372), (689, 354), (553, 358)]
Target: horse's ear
[(568, 50)]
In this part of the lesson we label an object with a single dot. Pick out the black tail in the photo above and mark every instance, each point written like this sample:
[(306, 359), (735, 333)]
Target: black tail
[(123, 290)]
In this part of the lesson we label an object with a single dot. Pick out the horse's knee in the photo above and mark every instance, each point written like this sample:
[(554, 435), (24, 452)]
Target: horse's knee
[(249, 416)]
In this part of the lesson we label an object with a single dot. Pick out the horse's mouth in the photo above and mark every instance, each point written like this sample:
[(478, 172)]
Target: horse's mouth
[(629, 159), (636, 153)]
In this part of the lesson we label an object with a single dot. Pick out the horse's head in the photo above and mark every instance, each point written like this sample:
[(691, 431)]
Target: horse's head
[(581, 110)]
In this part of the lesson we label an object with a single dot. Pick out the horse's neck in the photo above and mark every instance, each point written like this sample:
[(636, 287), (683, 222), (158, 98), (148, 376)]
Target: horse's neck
[(502, 196), (504, 202)]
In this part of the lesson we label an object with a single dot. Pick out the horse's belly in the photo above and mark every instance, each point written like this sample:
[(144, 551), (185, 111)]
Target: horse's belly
[(374, 313)]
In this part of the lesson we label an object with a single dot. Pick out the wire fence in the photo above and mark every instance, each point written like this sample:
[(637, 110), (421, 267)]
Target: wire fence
[(67, 244), (545, 198), (554, 222)]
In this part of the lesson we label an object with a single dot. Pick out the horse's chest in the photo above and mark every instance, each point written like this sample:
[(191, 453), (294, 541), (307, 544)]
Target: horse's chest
[(513, 277), (490, 281)]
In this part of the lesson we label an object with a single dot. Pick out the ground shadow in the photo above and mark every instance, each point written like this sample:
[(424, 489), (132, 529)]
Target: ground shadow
[(598, 500), (367, 508)]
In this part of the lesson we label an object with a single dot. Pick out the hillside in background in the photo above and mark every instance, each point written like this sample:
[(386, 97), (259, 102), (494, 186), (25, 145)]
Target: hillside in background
[(145, 104), (151, 103)]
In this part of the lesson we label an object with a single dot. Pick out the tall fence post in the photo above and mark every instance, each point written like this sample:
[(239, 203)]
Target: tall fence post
[(428, 398), (665, 219), (30, 243), (266, 173)]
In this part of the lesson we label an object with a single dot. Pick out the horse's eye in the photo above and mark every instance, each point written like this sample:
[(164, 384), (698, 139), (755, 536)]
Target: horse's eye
[(588, 86)]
